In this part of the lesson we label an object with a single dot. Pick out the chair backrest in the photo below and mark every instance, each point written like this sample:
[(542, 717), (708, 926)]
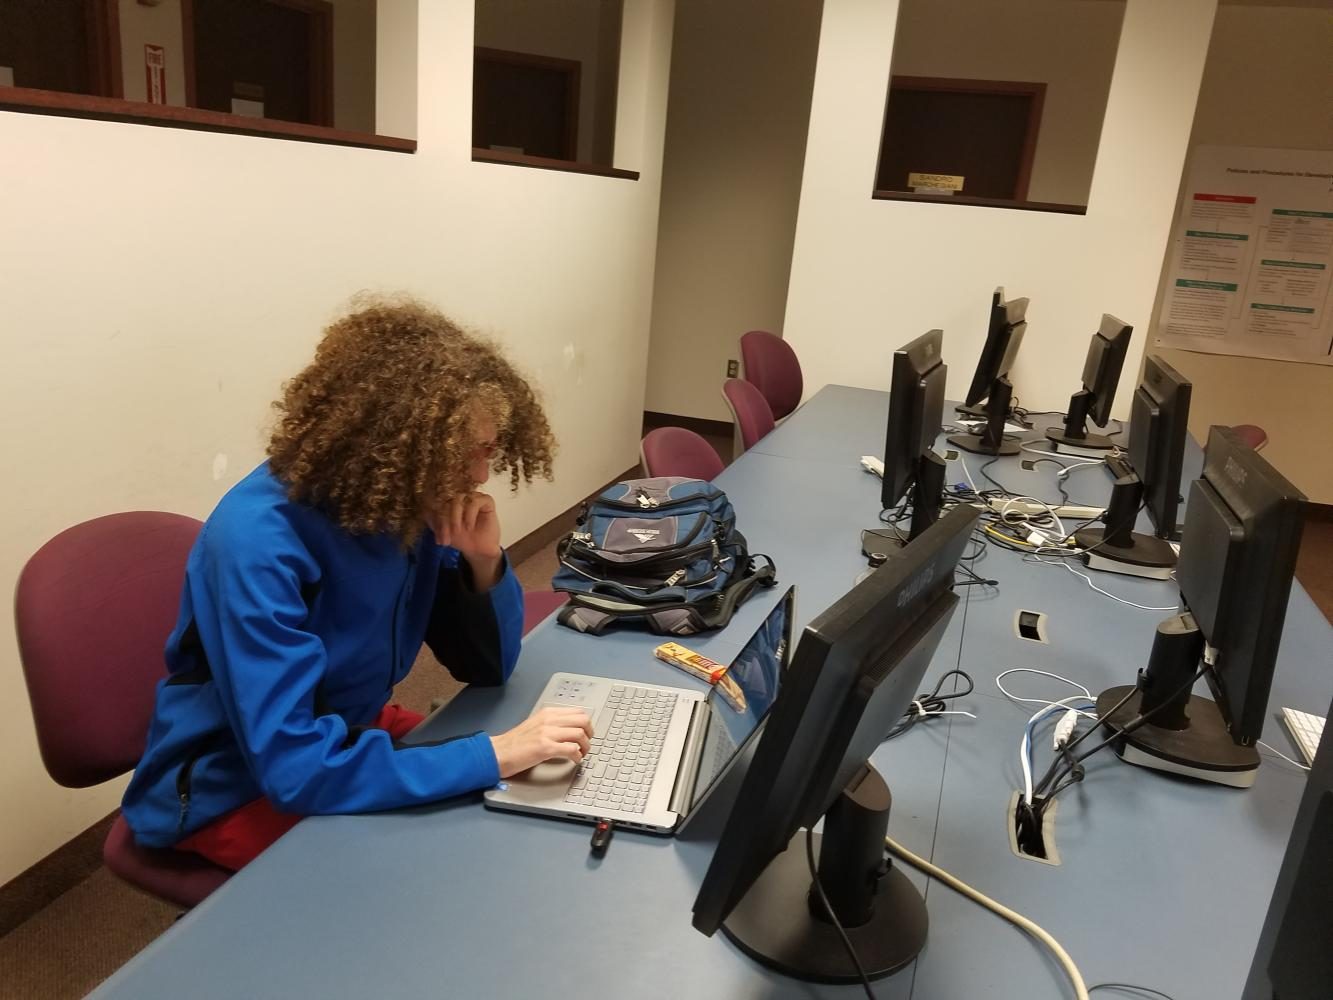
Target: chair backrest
[(749, 409), (675, 451), (772, 366), (93, 609), (1251, 434)]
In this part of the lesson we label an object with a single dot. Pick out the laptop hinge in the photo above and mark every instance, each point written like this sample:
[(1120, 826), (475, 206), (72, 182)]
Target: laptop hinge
[(689, 759)]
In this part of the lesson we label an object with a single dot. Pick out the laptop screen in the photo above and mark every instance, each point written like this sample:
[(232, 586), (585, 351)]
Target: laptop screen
[(757, 671)]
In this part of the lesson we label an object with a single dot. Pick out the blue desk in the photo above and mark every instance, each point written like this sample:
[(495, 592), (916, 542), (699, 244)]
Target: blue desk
[(1163, 882)]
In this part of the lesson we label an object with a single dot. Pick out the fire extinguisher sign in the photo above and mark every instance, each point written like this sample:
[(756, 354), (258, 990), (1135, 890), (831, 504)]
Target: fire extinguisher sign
[(155, 65)]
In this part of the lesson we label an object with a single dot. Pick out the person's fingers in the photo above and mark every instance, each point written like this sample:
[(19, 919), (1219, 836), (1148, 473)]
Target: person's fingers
[(568, 751), (564, 716), (471, 510), (569, 734), (456, 516)]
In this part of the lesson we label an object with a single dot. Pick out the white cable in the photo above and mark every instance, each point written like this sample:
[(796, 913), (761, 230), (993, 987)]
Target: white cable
[(1104, 593), (1025, 743), (1017, 919), (919, 711), (968, 474), (1042, 673), (1303, 767)]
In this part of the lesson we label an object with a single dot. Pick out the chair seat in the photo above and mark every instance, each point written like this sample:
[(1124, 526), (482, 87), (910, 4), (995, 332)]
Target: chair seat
[(179, 877), (538, 605)]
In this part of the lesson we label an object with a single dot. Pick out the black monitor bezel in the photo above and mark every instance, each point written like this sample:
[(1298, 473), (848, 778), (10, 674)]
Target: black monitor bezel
[(1103, 365), (1158, 428), (1239, 596), (999, 350), (916, 412), (802, 747)]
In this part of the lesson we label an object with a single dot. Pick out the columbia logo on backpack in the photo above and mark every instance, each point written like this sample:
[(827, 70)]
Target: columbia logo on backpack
[(664, 553)]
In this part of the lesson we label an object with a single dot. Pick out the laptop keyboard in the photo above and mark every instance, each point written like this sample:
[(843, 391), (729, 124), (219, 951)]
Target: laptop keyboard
[(625, 748)]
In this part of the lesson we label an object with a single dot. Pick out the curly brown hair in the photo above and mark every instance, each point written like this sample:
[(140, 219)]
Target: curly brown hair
[(378, 428)]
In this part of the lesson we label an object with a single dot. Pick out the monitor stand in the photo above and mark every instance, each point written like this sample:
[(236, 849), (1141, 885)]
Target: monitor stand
[(1118, 548), (927, 493), (992, 440), (781, 922), (1075, 437), (979, 412), (1188, 735)]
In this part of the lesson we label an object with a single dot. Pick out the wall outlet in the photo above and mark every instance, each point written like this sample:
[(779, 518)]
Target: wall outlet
[(733, 369)]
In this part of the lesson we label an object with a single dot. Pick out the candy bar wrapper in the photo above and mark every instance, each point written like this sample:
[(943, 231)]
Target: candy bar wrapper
[(705, 669), (689, 661)]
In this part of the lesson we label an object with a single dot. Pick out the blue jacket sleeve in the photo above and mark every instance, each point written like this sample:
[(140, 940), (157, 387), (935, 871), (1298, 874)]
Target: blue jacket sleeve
[(267, 667), (477, 637)]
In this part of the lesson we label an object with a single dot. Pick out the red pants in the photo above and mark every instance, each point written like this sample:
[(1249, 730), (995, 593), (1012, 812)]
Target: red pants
[(234, 840)]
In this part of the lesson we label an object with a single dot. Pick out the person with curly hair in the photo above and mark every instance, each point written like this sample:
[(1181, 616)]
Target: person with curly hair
[(318, 577)]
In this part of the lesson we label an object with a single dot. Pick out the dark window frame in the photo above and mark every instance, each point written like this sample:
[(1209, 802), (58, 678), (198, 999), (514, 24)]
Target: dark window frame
[(956, 85), (112, 106)]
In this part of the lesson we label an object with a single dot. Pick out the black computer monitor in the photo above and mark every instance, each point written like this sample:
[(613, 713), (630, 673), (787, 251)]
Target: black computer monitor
[(916, 416), (854, 673), (1237, 558), (1101, 375), (1000, 391), (1158, 427), (1004, 334)]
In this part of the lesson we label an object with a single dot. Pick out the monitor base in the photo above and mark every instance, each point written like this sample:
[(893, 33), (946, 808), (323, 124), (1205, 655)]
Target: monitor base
[(774, 926), (978, 446), (1146, 556), (1092, 445), (979, 412), (1203, 750)]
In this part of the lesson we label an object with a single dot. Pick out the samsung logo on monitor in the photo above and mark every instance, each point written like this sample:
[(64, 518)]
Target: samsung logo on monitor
[(916, 586), (1235, 471)]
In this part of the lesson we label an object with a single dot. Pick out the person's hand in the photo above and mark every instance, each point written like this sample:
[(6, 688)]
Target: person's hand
[(549, 733), (470, 524)]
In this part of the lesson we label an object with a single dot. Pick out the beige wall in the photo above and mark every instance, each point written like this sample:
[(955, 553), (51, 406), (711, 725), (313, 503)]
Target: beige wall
[(867, 276), (145, 334), (353, 55), (1267, 82), (1067, 44), (565, 29), (741, 77)]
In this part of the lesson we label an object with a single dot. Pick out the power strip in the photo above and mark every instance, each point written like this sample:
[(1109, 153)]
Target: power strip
[(1071, 510)]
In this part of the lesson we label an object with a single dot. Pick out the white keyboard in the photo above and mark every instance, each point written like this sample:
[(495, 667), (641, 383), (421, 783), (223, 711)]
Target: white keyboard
[(1306, 730)]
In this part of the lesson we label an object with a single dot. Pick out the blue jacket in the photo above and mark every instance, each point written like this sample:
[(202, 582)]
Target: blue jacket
[(291, 636)]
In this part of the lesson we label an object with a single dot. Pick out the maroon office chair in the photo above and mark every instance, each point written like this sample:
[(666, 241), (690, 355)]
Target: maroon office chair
[(538, 605), (674, 451), (93, 609), (749, 409), (1252, 435), (772, 367)]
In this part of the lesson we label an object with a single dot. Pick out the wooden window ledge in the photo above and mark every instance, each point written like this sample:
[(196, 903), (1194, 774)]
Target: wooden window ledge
[(50, 102), (962, 199), (480, 155)]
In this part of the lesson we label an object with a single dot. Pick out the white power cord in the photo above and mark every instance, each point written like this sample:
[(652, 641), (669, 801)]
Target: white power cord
[(1017, 919), (1040, 673), (1036, 557), (1303, 767)]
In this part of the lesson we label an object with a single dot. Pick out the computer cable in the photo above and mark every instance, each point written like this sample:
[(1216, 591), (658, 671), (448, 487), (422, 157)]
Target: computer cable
[(833, 917), (1138, 722), (1036, 557), (933, 705), (1303, 767), (1017, 919), (1145, 990)]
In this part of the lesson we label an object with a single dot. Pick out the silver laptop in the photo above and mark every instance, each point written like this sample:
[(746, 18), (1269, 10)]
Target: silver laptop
[(657, 751)]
